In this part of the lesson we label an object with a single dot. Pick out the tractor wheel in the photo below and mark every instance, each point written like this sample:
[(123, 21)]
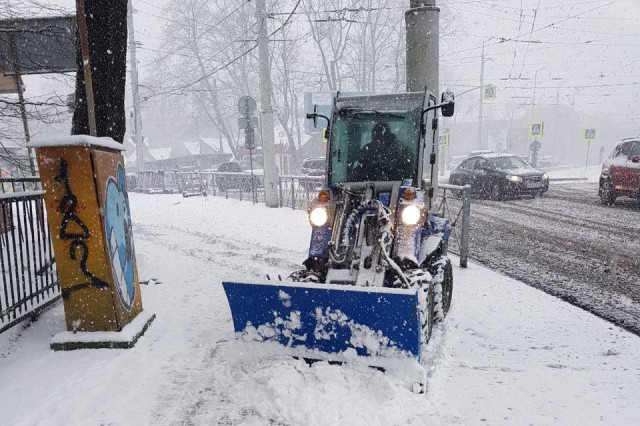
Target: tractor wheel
[(304, 276), (422, 279), (443, 288)]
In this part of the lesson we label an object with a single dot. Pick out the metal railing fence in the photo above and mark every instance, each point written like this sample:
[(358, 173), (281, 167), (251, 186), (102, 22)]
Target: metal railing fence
[(10, 185), (27, 262), (297, 192), (460, 218)]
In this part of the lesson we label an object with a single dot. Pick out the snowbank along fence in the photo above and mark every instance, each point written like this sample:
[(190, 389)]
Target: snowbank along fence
[(296, 192), (27, 263)]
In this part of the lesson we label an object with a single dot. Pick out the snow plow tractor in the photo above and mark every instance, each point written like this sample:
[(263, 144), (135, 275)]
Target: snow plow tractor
[(377, 276)]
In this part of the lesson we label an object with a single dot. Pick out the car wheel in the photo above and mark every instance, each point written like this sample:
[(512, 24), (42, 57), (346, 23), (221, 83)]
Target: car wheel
[(607, 194), (496, 192)]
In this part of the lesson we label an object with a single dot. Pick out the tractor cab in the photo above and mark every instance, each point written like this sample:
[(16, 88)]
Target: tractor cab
[(378, 138)]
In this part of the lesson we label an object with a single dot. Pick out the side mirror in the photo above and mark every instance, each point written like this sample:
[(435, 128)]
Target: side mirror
[(314, 115), (448, 103)]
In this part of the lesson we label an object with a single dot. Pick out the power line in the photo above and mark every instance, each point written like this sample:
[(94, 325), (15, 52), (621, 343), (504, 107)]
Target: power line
[(198, 36), (503, 40), (237, 58)]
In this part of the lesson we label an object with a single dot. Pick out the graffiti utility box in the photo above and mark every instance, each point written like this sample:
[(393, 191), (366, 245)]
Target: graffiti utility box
[(88, 213)]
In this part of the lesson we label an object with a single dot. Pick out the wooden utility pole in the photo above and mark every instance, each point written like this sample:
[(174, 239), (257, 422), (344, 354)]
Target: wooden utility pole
[(23, 110), (88, 82)]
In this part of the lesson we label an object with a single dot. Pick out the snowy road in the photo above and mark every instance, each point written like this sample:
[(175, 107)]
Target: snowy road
[(568, 245), (508, 353)]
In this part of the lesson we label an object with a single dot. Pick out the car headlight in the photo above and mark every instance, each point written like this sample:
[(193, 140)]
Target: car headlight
[(318, 216), (516, 179), (410, 215), (545, 176)]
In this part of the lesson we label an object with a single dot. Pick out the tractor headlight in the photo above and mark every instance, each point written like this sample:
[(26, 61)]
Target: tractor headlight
[(545, 176), (515, 179), (410, 215), (318, 216)]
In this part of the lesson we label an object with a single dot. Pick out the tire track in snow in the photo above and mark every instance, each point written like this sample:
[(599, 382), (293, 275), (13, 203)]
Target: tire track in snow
[(567, 245)]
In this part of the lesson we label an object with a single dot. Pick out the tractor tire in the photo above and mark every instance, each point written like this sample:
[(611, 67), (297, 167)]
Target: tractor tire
[(420, 278), (304, 276), (442, 287)]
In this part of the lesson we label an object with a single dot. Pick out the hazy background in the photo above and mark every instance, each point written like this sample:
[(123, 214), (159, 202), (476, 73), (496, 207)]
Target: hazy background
[(586, 54)]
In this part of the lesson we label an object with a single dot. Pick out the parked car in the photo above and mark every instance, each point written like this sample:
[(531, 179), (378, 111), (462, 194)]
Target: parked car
[(548, 161), (620, 175), (499, 176), (480, 152), (239, 181), (313, 166)]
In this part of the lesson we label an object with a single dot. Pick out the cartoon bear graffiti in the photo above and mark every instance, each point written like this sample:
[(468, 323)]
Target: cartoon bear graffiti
[(119, 237)]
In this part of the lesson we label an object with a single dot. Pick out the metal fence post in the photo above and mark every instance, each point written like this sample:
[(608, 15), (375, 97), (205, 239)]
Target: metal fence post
[(466, 217), (293, 193), (280, 196)]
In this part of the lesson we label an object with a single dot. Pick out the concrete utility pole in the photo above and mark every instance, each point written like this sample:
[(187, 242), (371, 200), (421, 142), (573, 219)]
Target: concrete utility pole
[(481, 100), (266, 111), (423, 41), (533, 98), (423, 32), (138, 139)]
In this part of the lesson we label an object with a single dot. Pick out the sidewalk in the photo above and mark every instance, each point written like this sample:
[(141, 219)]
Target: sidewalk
[(507, 354)]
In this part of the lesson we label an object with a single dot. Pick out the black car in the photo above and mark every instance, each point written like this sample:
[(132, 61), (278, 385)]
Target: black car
[(500, 175)]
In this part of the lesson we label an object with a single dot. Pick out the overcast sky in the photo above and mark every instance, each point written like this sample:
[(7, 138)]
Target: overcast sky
[(585, 51)]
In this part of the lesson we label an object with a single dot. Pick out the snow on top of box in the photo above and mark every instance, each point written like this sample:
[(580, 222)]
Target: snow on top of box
[(76, 140)]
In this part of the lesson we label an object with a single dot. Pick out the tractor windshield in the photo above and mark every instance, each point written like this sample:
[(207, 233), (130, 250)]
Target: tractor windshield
[(369, 145)]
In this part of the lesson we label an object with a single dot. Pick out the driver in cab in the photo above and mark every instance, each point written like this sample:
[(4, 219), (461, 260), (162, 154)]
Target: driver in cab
[(383, 159)]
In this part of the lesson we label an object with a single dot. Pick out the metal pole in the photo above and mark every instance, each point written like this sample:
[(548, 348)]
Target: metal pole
[(466, 219), (533, 99), (88, 82), (138, 138), (481, 100), (253, 190), (266, 112), (586, 164), (555, 122), (23, 110)]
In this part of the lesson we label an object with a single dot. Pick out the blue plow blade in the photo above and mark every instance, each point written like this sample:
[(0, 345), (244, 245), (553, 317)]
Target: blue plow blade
[(328, 319)]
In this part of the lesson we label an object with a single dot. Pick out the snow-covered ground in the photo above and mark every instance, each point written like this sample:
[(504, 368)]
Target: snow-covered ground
[(507, 353), (591, 173)]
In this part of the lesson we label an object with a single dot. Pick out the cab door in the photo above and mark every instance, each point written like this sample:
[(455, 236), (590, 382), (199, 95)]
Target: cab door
[(620, 178), (464, 173), (630, 173), (482, 176)]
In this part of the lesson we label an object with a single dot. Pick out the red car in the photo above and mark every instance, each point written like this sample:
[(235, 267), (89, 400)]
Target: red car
[(620, 174)]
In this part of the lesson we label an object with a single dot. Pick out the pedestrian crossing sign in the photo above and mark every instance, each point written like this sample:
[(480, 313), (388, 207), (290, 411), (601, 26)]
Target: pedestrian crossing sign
[(537, 128), (589, 134), (443, 140), (489, 92)]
